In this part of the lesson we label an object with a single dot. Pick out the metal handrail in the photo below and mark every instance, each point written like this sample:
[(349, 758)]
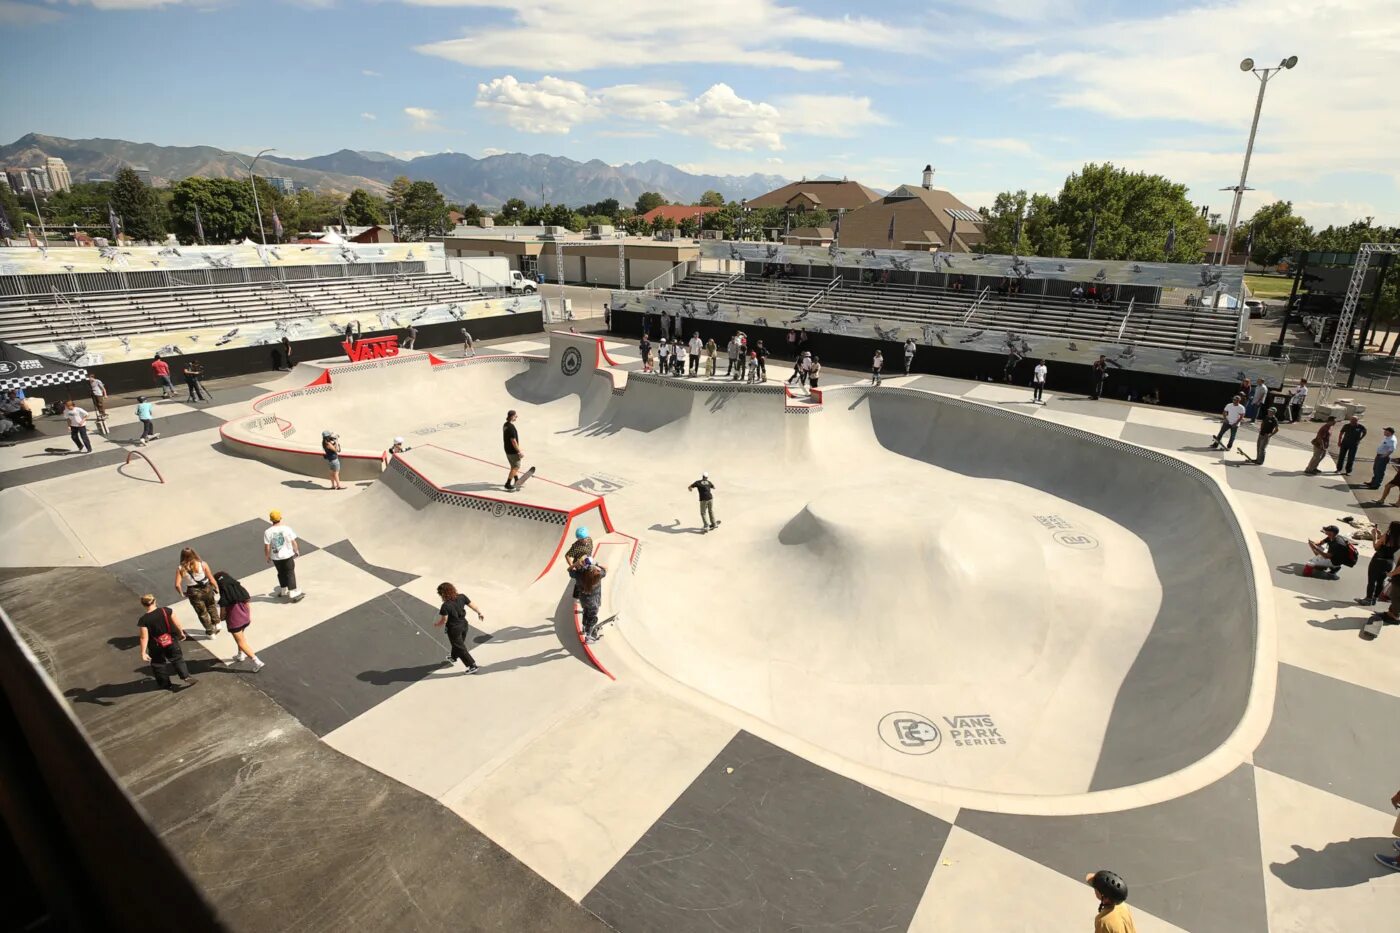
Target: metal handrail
[(986, 290), (137, 453), (826, 289), (723, 285)]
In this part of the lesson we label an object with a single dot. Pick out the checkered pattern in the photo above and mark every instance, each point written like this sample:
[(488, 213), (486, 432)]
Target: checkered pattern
[(40, 380)]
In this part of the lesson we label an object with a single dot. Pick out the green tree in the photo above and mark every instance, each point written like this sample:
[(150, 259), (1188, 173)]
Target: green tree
[(649, 200), (999, 222), (1278, 233), (712, 199), (512, 212), (608, 207), (398, 194), (137, 206), (225, 209), (1135, 212), (424, 212), (363, 209), (472, 215), (309, 211), (13, 212)]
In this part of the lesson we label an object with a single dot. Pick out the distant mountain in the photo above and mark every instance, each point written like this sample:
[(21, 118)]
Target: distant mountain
[(489, 181)]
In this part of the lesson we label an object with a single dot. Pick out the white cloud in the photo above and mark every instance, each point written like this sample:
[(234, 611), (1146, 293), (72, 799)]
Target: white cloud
[(565, 35), (490, 151), (132, 4), (25, 14), (368, 116), (370, 73), (422, 117), (718, 115), (407, 154)]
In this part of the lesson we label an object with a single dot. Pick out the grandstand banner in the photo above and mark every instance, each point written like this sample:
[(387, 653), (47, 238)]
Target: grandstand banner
[(88, 348), (1087, 271), (57, 260), (1160, 360)]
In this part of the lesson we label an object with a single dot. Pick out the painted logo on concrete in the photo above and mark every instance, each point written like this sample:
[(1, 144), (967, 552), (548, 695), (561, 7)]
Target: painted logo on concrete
[(1064, 532), (571, 361), (910, 733), (973, 730)]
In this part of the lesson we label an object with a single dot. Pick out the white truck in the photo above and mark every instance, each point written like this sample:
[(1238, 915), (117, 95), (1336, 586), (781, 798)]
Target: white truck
[(518, 283), (490, 273)]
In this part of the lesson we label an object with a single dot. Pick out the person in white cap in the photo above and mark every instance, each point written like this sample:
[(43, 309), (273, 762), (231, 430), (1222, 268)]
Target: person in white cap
[(706, 490)]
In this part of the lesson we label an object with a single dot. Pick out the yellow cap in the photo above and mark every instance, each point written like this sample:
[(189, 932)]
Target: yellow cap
[(275, 515)]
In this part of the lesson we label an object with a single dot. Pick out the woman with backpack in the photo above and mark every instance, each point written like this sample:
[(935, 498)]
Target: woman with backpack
[(588, 577), (161, 635), (195, 581), (233, 601)]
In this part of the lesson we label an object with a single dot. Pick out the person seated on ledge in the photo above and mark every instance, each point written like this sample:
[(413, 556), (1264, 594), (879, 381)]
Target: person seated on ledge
[(1333, 553), (13, 409)]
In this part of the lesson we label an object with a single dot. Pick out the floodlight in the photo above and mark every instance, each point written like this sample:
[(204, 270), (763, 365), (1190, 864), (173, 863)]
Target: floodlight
[(1290, 61), (1247, 64)]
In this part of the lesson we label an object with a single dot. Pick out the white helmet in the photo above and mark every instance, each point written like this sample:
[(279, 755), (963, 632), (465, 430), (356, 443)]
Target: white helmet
[(704, 476), (398, 440)]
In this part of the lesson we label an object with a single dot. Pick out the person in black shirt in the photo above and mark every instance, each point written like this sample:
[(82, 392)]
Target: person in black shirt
[(1268, 427), (1382, 562), (1100, 374), (706, 490), (511, 437), (1348, 440), (160, 644), (453, 614), (761, 355)]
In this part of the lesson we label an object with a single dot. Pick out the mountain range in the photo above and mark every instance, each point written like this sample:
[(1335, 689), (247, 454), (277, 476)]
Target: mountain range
[(488, 181)]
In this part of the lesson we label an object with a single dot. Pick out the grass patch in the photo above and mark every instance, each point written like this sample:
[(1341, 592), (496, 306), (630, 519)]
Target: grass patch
[(1269, 286)]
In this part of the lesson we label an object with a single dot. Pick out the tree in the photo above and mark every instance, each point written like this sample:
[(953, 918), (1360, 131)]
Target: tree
[(309, 210), (398, 193), (1277, 233), (472, 215), (9, 204), (363, 209), (648, 201), (1130, 215), (712, 199), (424, 212), (225, 209), (512, 212), (608, 207), (137, 206)]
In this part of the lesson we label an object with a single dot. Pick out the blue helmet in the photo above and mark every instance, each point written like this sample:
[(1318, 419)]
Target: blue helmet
[(581, 533)]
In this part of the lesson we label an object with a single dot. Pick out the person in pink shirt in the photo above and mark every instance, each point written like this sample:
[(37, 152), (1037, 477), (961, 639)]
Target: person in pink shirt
[(161, 370)]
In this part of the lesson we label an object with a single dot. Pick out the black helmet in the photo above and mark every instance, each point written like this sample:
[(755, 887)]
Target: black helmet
[(1109, 886)]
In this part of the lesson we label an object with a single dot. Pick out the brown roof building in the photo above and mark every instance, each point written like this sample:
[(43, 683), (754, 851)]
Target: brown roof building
[(918, 217), (808, 195), (678, 212)]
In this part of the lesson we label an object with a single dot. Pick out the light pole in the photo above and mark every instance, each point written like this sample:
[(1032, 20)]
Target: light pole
[(262, 235), (1263, 74)]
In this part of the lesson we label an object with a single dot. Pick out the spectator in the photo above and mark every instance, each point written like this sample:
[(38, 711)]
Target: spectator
[(281, 548), (696, 345), (1256, 400), (1296, 401), (910, 347), (1384, 451), (1267, 430), (77, 427), (195, 581), (1038, 378), (160, 369), (330, 450), (1382, 562), (1391, 861), (193, 372), (1321, 440), (233, 606), (99, 394), (1348, 440), (876, 365), (12, 408), (1229, 421), (1100, 376), (1331, 554), (161, 635), (760, 355)]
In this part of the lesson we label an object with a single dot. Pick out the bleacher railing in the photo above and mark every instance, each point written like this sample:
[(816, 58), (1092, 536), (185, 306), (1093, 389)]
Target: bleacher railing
[(827, 289), (19, 286)]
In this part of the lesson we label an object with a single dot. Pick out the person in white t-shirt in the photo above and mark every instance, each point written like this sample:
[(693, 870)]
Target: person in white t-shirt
[(1038, 381), (280, 548), (77, 427), (1295, 402), (696, 345), (1255, 406), (1230, 421), (682, 357)]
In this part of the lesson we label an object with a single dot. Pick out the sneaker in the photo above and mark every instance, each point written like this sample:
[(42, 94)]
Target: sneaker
[(1389, 861), (155, 437), (1365, 601), (218, 627), (1396, 843), (239, 657), (278, 591), (258, 664), (473, 669), (191, 682), (448, 660), (297, 596)]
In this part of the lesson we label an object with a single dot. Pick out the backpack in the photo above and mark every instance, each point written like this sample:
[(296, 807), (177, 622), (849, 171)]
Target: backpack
[(1350, 555), (166, 638), (231, 592)]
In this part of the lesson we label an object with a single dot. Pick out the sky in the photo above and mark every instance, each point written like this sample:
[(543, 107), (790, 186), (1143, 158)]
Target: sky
[(995, 94)]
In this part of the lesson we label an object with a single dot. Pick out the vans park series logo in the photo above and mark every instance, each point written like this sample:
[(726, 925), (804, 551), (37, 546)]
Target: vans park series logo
[(915, 734)]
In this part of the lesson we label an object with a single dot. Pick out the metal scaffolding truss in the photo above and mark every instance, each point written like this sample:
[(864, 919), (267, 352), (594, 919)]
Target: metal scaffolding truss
[(1354, 288)]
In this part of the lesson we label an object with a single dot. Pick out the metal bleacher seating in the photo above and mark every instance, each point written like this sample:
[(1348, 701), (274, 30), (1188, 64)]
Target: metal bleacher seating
[(1202, 329), (185, 307)]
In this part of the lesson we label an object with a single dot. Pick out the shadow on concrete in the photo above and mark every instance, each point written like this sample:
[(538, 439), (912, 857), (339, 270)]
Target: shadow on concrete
[(399, 675), (675, 528), (1342, 864)]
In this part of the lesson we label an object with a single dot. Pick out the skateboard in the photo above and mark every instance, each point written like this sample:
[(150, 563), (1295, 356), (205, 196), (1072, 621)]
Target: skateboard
[(598, 629), (1372, 628), (705, 531), (520, 480)]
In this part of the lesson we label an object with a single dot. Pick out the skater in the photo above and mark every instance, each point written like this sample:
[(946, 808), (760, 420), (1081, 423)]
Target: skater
[(1384, 451), (760, 358), (663, 356), (1331, 553), (468, 344), (644, 348), (160, 369), (877, 364), (814, 375), (195, 581), (99, 394), (1008, 372), (145, 413), (511, 437), (233, 606), (453, 614), (588, 579), (1255, 405), (581, 548), (696, 345), (1267, 429), (408, 343), (681, 355), (1038, 382), (910, 348), (193, 371), (287, 350), (160, 644), (1230, 420), (706, 491), (1382, 562), (733, 350), (711, 349), (1114, 915), (1349, 438), (280, 548), (665, 325), (752, 369), (1392, 861), (1296, 401), (330, 449), (1100, 376), (77, 427), (1320, 441)]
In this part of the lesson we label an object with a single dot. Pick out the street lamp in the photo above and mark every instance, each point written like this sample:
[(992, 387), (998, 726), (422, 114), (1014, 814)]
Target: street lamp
[(1263, 74), (262, 235)]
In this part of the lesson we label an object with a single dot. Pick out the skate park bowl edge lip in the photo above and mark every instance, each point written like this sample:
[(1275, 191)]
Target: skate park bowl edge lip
[(1240, 642)]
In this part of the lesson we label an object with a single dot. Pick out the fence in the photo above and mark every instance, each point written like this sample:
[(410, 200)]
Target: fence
[(121, 280)]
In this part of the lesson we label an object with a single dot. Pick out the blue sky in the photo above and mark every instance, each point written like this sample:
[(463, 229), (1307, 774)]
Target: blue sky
[(997, 94)]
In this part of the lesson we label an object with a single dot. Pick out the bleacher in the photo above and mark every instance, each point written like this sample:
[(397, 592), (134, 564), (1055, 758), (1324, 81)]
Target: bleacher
[(185, 307), (1170, 326)]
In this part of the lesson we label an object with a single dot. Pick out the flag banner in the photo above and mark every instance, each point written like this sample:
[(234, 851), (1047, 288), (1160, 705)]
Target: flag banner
[(1093, 235), (891, 233), (6, 230), (836, 234), (1171, 239), (276, 224), (198, 225), (113, 221)]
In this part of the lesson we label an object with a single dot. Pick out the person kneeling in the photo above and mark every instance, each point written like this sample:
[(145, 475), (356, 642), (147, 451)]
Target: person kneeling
[(1332, 553)]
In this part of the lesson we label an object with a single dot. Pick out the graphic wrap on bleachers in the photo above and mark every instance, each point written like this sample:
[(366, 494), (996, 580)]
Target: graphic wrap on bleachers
[(1100, 271), (1193, 342), (34, 260)]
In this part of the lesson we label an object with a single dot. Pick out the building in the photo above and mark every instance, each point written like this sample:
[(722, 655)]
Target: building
[(142, 173), (57, 170), (39, 180), (917, 217), (18, 180), (809, 236), (281, 185), (586, 261), (677, 212), (819, 195)]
